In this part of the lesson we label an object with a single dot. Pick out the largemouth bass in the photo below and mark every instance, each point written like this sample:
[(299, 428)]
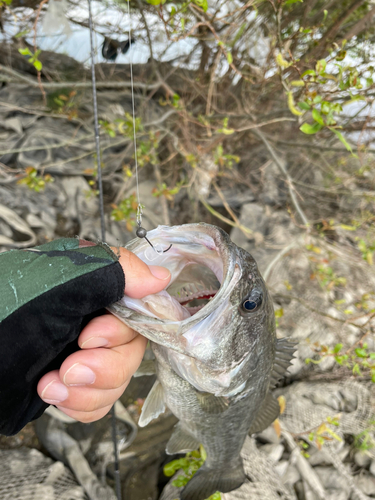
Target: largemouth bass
[(216, 354)]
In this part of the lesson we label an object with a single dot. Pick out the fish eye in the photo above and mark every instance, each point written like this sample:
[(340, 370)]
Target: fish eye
[(253, 301)]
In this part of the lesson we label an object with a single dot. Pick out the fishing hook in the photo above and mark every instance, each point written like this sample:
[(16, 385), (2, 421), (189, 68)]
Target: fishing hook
[(142, 233)]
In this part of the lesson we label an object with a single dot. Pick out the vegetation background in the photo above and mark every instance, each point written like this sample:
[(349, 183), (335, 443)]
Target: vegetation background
[(255, 116)]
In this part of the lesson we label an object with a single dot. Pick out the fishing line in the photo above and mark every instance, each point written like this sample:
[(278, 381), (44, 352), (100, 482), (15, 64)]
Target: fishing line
[(102, 224), (141, 232)]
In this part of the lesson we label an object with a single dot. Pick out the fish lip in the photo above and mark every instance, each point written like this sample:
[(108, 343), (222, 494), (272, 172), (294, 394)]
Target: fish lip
[(226, 251)]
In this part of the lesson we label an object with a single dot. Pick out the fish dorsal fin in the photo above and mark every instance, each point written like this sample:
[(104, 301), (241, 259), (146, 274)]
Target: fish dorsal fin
[(153, 406), (268, 412), (147, 367), (210, 403), (284, 354), (181, 442)]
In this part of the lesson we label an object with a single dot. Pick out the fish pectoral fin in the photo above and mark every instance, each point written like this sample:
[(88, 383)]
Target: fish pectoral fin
[(268, 412), (212, 404), (284, 354), (147, 367), (206, 482), (153, 406), (181, 442)]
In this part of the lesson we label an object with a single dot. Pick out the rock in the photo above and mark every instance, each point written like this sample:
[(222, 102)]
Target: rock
[(372, 467), (34, 221), (326, 364), (296, 367), (365, 482), (338, 495), (319, 457), (291, 475), (362, 459), (272, 231), (13, 124), (331, 479), (275, 190), (269, 435), (274, 451), (282, 467)]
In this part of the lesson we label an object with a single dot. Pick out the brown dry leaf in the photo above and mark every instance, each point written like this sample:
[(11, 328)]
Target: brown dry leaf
[(282, 403), (277, 427), (322, 428)]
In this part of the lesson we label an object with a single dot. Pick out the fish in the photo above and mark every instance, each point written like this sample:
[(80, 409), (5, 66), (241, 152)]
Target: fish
[(217, 358)]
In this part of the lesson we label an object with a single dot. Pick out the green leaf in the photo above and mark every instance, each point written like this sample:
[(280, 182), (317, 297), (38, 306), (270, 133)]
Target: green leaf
[(229, 57), (306, 128), (325, 14), (180, 481), (317, 117), (175, 465), (333, 434), (341, 55), (203, 453), (361, 353), (356, 370), (38, 65), (304, 105), (25, 52), (215, 496), (291, 2), (202, 3), (337, 348), (342, 139), (321, 66), (310, 72), (298, 83), (22, 33)]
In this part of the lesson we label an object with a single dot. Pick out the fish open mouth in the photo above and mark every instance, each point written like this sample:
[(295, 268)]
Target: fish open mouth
[(197, 269), (194, 287)]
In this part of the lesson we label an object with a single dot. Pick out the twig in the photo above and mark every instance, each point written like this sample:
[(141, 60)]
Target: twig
[(163, 200), (48, 146), (211, 89), (258, 125), (277, 258), (312, 145), (283, 170), (244, 229), (247, 231), (39, 75), (63, 85)]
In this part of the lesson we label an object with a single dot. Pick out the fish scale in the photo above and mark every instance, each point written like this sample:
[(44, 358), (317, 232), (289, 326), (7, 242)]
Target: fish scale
[(216, 368)]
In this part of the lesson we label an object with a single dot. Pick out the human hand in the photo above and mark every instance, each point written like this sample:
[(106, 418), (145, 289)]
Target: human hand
[(91, 380)]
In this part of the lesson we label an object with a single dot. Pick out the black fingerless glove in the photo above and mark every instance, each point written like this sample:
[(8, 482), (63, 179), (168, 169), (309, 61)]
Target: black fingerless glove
[(47, 295)]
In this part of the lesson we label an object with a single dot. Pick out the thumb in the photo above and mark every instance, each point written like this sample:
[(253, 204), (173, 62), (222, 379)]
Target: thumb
[(141, 279)]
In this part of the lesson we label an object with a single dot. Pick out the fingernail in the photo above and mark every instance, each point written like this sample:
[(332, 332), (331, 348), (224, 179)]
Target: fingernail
[(79, 375), (94, 342), (161, 273), (55, 392)]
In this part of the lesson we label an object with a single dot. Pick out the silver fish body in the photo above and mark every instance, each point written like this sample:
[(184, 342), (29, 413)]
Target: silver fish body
[(215, 364)]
